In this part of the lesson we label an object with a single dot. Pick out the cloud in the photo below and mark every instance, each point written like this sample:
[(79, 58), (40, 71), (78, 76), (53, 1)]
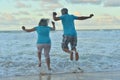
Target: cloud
[(22, 13), (9, 19), (7, 16), (107, 19), (106, 3), (103, 20), (20, 4), (50, 4), (85, 1), (112, 3), (27, 21), (50, 1), (76, 13)]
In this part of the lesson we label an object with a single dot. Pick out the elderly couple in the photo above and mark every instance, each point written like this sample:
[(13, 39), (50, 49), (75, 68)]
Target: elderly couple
[(69, 35)]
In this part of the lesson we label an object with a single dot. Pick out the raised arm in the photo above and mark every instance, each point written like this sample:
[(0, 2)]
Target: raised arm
[(53, 24), (28, 30), (85, 17), (54, 16)]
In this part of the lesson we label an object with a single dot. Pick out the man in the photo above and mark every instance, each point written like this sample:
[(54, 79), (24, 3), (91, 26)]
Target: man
[(70, 34)]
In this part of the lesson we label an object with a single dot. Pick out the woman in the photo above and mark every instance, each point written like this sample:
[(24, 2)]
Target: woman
[(44, 41)]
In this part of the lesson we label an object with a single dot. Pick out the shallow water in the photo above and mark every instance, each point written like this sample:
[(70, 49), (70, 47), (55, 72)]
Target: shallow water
[(99, 51)]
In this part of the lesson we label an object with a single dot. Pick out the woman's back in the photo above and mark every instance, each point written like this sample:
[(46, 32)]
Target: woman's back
[(43, 34)]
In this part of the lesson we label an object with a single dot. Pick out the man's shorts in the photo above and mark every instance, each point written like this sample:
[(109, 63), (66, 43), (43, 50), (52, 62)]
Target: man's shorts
[(69, 39)]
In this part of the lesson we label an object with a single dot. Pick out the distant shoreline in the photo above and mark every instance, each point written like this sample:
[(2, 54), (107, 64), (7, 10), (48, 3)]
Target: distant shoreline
[(61, 30)]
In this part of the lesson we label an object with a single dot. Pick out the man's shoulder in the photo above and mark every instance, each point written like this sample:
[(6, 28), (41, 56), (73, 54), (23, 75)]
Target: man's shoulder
[(67, 15)]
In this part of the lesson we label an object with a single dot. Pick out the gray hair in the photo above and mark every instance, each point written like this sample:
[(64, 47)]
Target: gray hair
[(64, 11), (43, 22)]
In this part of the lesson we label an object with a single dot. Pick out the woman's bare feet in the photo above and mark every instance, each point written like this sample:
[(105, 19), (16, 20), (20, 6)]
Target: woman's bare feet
[(39, 65), (49, 69)]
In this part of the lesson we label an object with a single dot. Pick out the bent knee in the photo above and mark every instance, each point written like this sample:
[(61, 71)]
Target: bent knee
[(65, 49)]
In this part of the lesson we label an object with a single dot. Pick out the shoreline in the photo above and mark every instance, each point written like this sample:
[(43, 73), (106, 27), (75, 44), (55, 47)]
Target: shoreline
[(62, 30), (115, 75)]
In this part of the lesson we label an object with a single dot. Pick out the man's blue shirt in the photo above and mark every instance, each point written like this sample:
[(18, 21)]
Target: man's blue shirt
[(68, 24)]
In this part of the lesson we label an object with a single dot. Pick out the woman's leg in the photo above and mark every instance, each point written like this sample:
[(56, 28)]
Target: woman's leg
[(47, 48), (39, 58), (39, 47), (48, 63)]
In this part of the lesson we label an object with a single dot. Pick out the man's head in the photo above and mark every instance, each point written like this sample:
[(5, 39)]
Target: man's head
[(64, 11)]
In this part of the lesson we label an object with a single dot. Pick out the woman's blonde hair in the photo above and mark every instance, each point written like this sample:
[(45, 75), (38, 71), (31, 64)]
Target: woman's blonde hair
[(43, 22)]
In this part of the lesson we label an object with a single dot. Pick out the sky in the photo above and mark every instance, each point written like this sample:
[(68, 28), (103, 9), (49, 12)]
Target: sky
[(17, 13)]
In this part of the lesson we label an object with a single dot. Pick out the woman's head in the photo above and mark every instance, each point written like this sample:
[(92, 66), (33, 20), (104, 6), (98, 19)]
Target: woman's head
[(43, 22), (64, 11)]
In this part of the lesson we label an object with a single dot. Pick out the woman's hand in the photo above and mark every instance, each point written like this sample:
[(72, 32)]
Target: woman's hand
[(23, 27)]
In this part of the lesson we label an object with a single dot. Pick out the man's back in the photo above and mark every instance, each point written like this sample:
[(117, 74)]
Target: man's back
[(68, 24)]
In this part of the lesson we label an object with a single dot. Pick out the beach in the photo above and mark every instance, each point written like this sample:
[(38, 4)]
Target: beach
[(71, 76)]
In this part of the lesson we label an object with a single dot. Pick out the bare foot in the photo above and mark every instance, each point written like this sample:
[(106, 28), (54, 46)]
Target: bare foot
[(49, 69), (39, 65)]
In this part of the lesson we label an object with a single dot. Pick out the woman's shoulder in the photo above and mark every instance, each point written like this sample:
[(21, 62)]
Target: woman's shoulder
[(42, 27)]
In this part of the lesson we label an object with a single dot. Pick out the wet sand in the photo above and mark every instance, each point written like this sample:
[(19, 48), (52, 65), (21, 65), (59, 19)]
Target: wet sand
[(71, 76)]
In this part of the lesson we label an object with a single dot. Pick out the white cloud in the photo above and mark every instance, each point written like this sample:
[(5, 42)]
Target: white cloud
[(28, 12), (50, 4), (22, 13), (85, 1), (107, 3), (103, 20), (112, 3), (107, 20), (20, 4), (50, 1), (9, 19)]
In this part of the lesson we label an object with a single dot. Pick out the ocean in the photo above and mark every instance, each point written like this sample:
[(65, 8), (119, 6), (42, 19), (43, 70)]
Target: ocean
[(99, 50)]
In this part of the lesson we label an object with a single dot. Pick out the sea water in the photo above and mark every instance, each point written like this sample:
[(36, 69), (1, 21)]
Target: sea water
[(99, 50)]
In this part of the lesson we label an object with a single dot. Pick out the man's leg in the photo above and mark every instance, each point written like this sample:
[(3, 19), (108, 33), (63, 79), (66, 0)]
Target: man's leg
[(70, 52), (76, 54), (73, 43), (65, 47)]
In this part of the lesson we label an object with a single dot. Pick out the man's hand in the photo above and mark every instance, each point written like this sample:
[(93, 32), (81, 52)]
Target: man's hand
[(91, 15), (23, 27), (54, 13)]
